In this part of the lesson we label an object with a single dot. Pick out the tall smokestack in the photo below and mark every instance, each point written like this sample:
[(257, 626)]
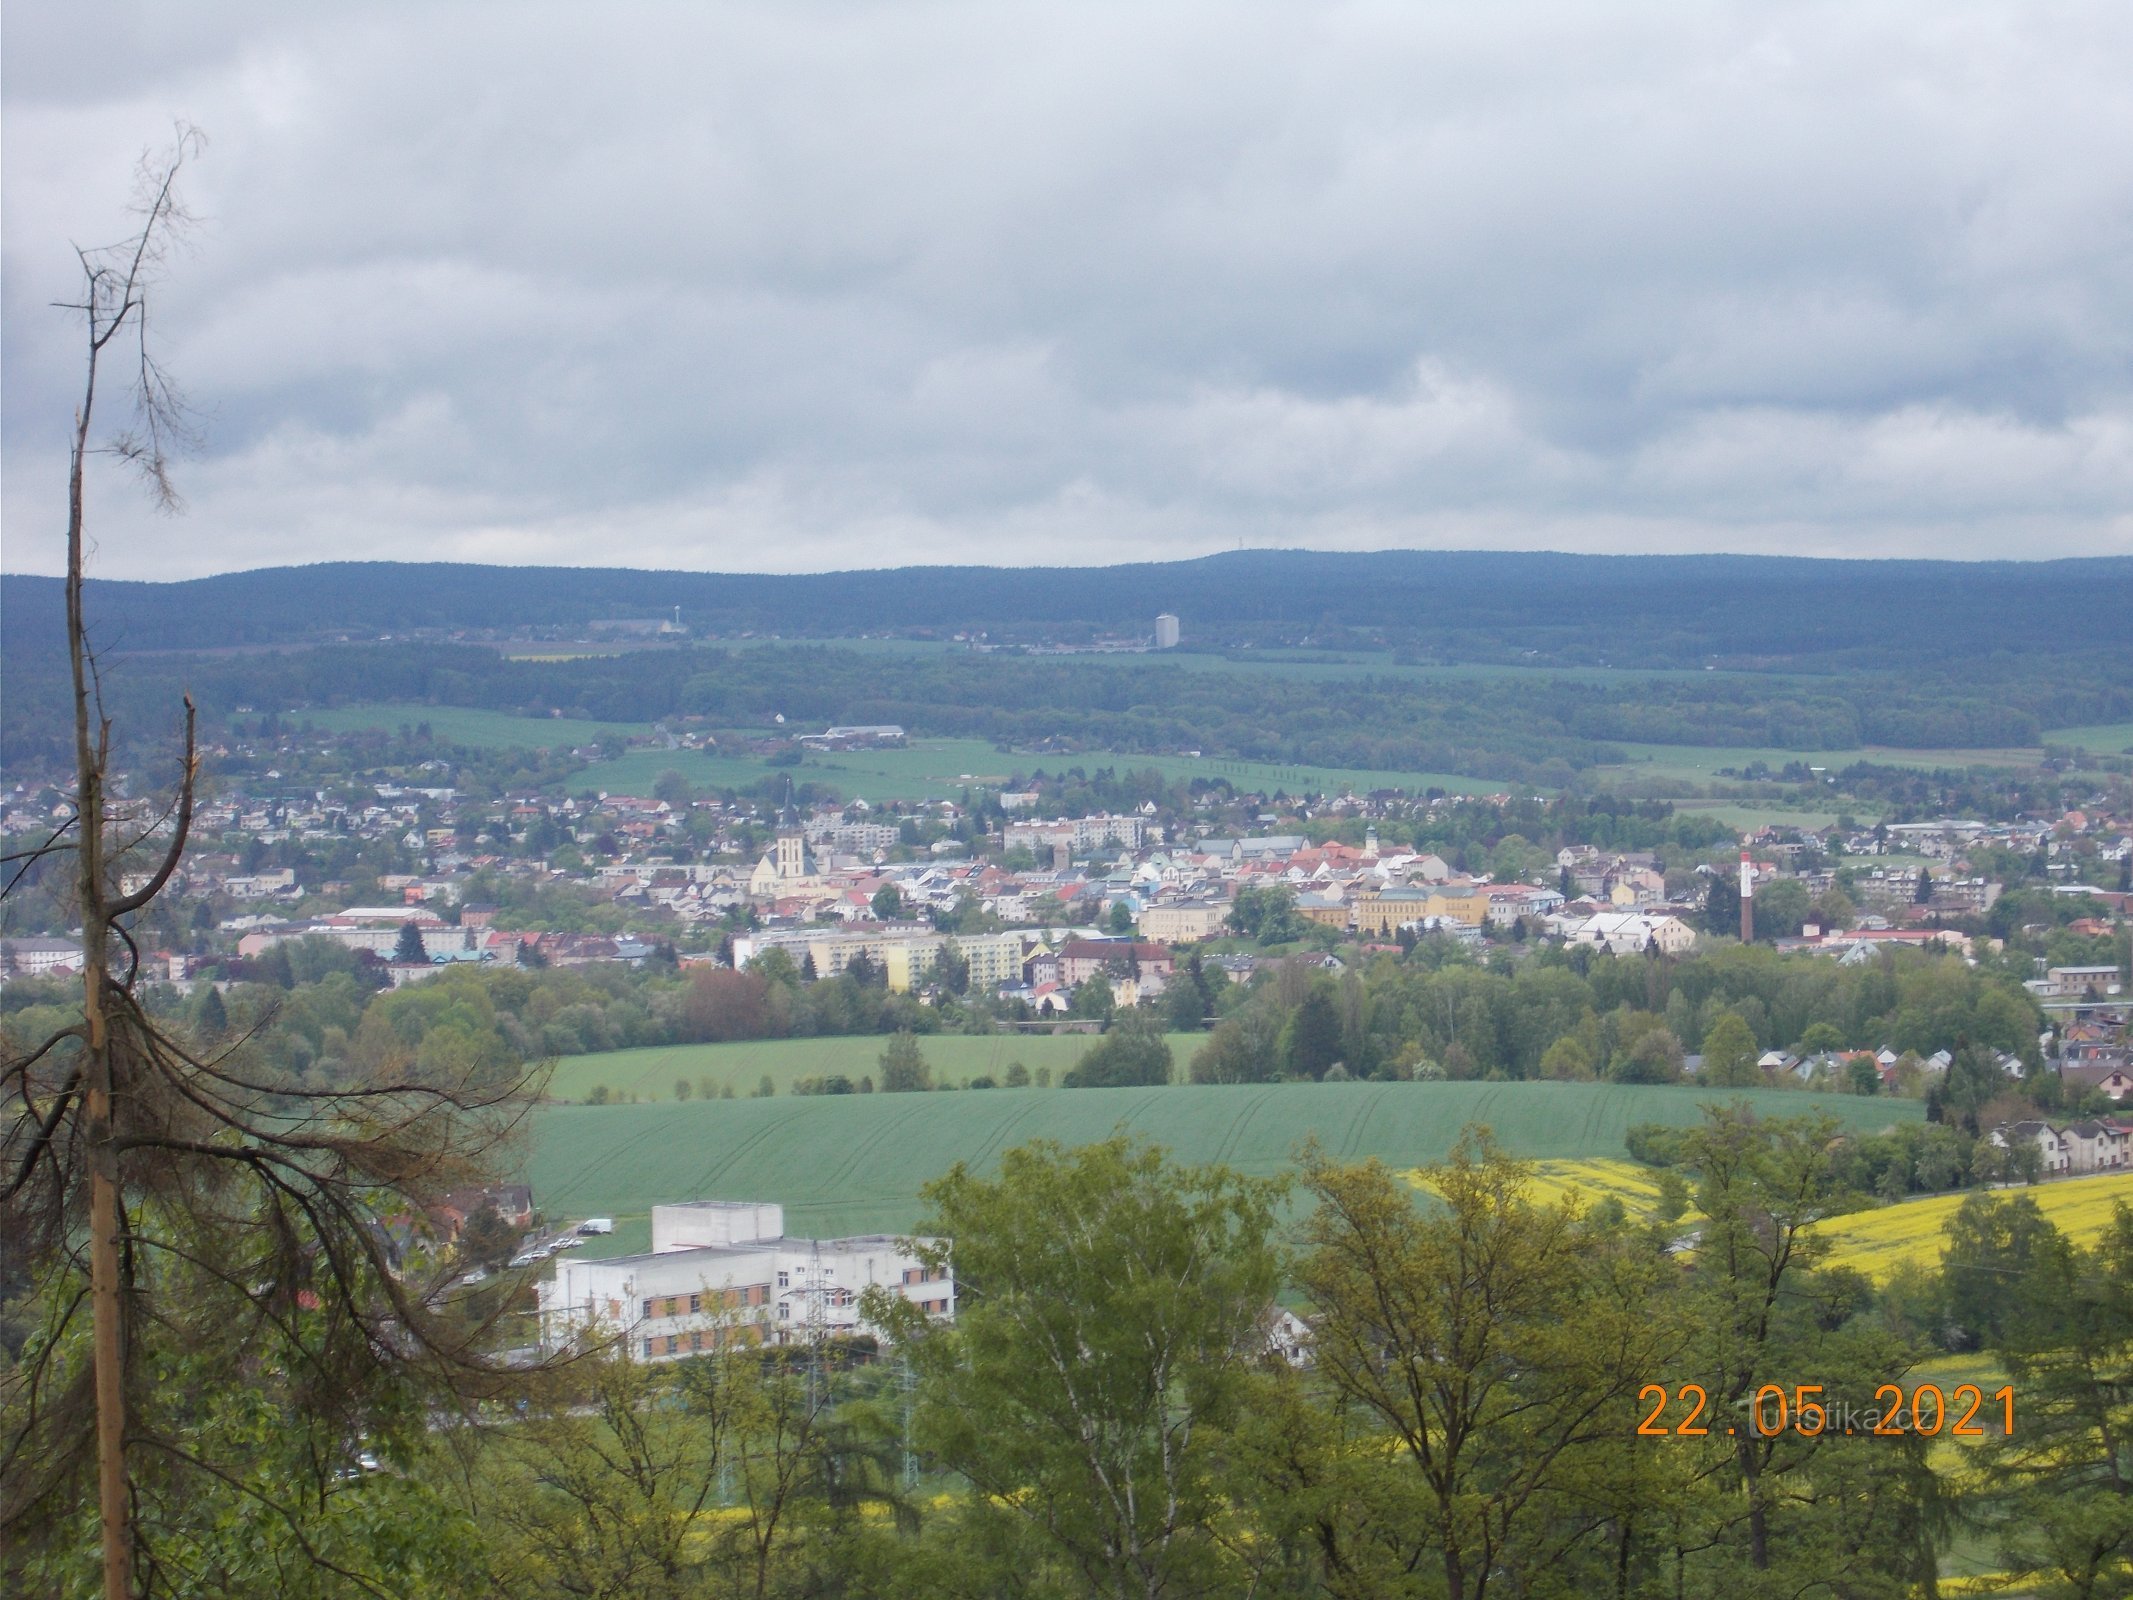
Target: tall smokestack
[(1747, 898)]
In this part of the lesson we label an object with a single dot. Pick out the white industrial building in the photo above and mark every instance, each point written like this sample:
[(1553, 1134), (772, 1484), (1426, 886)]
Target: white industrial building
[(723, 1271), (1166, 632)]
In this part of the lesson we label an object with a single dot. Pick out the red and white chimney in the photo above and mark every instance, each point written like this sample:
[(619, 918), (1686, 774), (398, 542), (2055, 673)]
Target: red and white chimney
[(1747, 898)]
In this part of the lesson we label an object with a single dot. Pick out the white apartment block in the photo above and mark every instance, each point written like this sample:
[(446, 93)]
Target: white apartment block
[(1076, 833), (33, 958), (905, 953), (723, 1272)]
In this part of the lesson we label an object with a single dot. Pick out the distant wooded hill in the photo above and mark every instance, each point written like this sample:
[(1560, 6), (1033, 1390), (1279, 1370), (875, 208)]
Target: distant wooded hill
[(1640, 611)]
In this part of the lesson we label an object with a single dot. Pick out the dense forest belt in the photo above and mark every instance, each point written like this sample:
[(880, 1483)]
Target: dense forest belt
[(856, 1162), (1523, 727), (1644, 611)]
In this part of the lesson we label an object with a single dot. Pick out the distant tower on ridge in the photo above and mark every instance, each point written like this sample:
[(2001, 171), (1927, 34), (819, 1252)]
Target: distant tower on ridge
[(1747, 898), (1166, 632)]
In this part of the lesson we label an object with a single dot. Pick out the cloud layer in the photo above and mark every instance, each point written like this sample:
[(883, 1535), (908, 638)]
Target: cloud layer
[(801, 285)]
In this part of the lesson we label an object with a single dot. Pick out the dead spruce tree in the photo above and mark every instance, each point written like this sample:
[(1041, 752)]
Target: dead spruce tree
[(181, 1224)]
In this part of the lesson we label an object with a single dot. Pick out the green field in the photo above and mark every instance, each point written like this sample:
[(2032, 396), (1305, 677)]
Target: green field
[(1735, 814), (2105, 739), (1289, 662), (494, 730), (650, 1073), (1699, 763), (854, 1163), (938, 769)]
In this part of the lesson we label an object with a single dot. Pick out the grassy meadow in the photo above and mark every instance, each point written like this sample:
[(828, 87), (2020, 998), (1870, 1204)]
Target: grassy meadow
[(649, 1074), (940, 769), (855, 1163), (481, 730), (2103, 739)]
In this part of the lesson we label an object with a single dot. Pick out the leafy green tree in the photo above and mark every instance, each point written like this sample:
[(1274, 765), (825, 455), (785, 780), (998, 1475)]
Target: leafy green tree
[(1833, 908), (1974, 1080), (1133, 1052), (409, 948), (211, 1016), (1121, 918), (1721, 906), (1673, 1201), (1781, 908), (2060, 1484), (1992, 1249), (951, 969), (1244, 1048), (888, 903), (1268, 915), (1656, 1057), (1729, 1054), (903, 1066), (1763, 1312), (1493, 1346), (1093, 999), (486, 1239), (1110, 1314), (1567, 1059), (1314, 1034), (674, 1481)]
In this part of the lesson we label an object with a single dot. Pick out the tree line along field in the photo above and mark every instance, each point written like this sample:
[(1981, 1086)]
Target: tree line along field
[(855, 1163), (651, 1072)]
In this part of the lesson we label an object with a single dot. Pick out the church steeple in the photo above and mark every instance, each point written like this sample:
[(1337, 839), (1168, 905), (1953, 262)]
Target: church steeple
[(791, 841)]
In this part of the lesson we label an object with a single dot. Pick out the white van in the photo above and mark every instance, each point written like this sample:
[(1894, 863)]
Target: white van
[(597, 1225)]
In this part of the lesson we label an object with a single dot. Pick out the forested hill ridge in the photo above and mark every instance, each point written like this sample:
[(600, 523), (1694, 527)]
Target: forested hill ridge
[(1538, 608)]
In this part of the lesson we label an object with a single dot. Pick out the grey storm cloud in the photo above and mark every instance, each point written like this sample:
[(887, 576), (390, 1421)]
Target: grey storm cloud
[(802, 285)]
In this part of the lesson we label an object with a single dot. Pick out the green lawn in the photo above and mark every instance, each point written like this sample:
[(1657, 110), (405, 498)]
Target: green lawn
[(498, 730), (854, 1163), (650, 1073)]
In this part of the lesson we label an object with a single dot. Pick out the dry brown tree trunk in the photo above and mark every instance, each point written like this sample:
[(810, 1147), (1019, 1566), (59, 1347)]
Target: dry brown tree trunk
[(222, 1200), (113, 305)]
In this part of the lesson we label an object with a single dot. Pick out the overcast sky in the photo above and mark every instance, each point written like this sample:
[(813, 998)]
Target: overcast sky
[(794, 286)]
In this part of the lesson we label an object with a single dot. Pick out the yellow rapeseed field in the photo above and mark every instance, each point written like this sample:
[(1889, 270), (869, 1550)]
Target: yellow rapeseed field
[(1876, 1242), (1873, 1242), (1588, 1180)]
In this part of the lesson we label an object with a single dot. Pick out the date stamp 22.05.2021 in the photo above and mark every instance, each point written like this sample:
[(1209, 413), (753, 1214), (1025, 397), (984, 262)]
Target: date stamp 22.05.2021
[(1967, 1412)]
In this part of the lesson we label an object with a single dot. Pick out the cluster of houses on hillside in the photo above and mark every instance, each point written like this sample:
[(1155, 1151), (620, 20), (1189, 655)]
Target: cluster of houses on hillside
[(1060, 898)]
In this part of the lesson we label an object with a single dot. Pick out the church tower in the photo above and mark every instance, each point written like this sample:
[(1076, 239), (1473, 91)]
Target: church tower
[(792, 841)]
